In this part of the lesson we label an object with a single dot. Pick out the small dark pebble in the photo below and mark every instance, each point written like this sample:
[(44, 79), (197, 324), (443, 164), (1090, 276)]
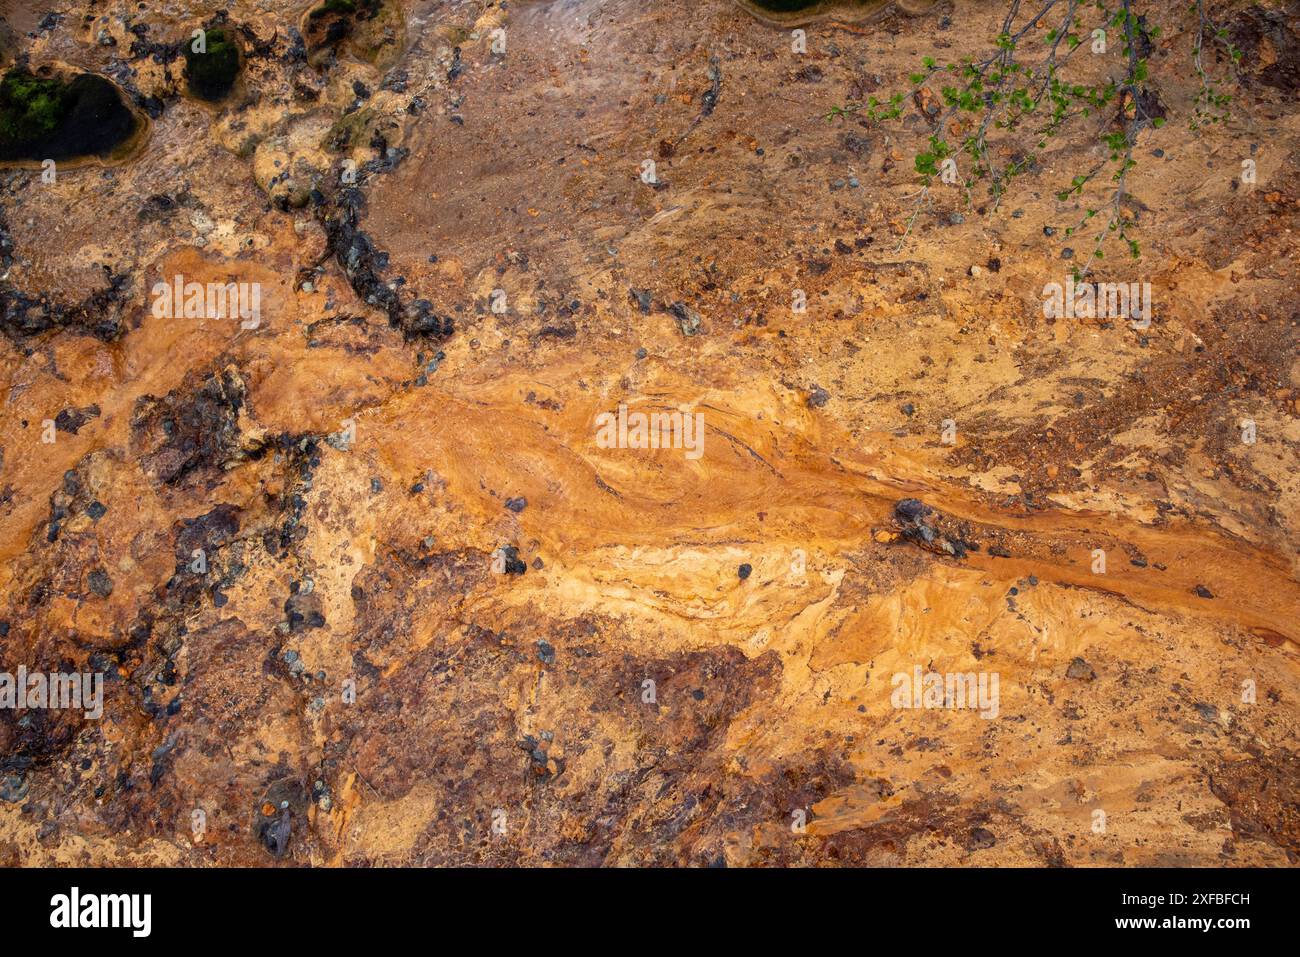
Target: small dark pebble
[(911, 510), (275, 834), (514, 566), (100, 583), (1080, 670), (13, 788), (643, 299)]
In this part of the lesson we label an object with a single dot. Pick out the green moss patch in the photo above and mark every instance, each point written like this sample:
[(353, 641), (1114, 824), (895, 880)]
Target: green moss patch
[(211, 75), (351, 130), (52, 118)]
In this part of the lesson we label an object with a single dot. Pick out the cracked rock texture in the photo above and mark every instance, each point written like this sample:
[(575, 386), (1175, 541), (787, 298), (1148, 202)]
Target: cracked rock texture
[(366, 589)]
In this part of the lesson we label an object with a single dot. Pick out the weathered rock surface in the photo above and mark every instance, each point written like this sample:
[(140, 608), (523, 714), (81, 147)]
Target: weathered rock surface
[(365, 588)]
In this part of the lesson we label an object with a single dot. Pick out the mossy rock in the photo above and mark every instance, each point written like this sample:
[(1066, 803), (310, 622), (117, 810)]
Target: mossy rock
[(52, 118), (352, 130), (211, 75)]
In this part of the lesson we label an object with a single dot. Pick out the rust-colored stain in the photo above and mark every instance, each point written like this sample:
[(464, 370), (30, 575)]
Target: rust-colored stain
[(427, 562)]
